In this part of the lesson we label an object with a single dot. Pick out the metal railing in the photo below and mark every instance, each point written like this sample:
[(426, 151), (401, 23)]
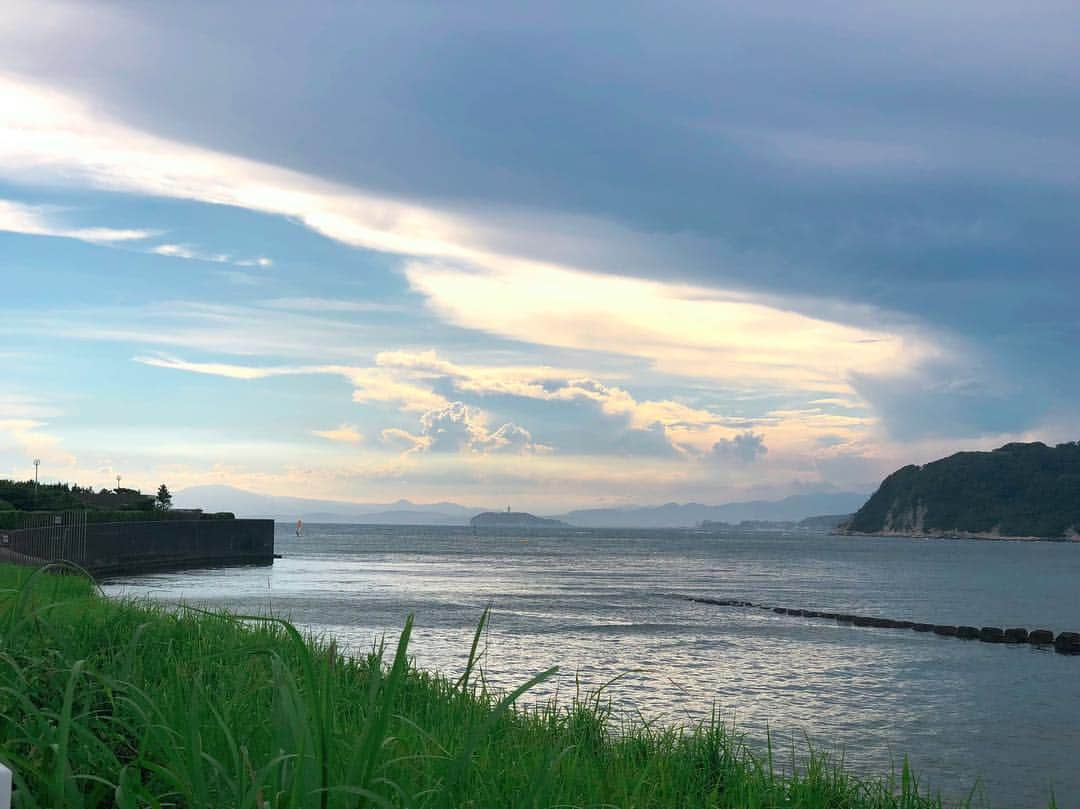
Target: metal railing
[(47, 538)]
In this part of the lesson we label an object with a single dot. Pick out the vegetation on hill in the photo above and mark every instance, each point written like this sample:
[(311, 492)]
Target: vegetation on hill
[(513, 519), (19, 499), (1016, 490), (108, 703), (26, 495)]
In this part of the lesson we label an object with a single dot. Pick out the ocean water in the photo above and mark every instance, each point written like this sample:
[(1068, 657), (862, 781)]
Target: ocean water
[(605, 603)]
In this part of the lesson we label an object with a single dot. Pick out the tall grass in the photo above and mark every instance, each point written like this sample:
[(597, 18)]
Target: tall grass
[(107, 703)]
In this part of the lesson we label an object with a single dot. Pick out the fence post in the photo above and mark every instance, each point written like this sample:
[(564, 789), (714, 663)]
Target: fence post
[(5, 787)]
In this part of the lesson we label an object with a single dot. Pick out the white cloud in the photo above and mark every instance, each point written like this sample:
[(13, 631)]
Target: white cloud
[(173, 251), (457, 427), (25, 437), (186, 251), (697, 332), (346, 433), (329, 305), (684, 330), (41, 220)]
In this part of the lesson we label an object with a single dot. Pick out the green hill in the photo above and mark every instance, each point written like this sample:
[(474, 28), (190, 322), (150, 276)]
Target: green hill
[(513, 519), (1018, 490)]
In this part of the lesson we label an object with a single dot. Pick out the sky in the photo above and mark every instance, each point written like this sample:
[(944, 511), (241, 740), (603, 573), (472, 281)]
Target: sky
[(555, 255)]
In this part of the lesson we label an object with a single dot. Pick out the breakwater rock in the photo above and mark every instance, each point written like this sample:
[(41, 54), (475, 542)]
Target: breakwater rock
[(1063, 642)]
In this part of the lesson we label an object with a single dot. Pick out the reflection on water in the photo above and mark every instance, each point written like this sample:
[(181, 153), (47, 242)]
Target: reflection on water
[(603, 603)]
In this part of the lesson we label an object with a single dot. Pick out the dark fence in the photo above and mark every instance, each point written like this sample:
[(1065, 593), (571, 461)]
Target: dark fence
[(120, 548)]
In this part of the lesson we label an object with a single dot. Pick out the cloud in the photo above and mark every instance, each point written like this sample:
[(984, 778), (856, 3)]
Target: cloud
[(43, 220), (346, 433), (329, 305), (693, 331), (28, 439), (408, 379), (940, 400), (40, 220), (512, 439), (744, 448), (684, 330), (457, 427), (452, 428), (190, 253), (402, 439), (227, 370)]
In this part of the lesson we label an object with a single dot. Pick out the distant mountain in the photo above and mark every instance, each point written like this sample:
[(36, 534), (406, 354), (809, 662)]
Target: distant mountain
[(513, 519), (1018, 490), (404, 512), (688, 515), (249, 504)]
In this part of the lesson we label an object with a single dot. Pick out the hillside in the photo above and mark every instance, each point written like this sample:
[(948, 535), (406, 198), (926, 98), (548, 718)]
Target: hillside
[(513, 519), (1018, 490)]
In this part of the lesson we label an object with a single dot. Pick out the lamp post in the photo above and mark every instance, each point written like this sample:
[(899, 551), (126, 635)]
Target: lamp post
[(118, 484), (37, 463)]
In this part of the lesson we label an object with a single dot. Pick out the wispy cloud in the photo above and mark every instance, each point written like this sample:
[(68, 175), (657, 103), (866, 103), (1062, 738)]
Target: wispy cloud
[(346, 433), (329, 305), (43, 220), (186, 251)]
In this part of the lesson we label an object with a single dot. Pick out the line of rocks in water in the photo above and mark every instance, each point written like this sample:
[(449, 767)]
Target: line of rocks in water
[(1063, 642)]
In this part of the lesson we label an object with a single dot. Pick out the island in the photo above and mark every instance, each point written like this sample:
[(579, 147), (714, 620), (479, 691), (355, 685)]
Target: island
[(1018, 491), (514, 519)]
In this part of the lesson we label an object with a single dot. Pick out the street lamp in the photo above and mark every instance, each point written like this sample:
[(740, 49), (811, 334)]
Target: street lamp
[(118, 484), (37, 463)]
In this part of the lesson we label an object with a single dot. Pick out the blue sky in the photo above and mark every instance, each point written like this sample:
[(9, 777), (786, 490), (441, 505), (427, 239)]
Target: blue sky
[(555, 256)]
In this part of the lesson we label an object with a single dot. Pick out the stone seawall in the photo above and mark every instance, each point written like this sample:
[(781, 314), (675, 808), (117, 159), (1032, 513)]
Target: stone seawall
[(128, 548)]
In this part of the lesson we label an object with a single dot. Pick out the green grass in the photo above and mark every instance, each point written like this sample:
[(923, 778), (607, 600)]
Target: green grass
[(107, 703)]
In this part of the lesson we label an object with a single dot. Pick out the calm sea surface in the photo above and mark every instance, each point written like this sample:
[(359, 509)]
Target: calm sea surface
[(604, 603)]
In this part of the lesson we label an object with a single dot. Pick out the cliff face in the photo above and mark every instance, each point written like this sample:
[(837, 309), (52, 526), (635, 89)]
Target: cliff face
[(1029, 490)]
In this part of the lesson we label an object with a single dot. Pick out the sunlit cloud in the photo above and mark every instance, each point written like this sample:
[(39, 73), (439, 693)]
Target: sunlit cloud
[(684, 330), (346, 433), (27, 438), (697, 332)]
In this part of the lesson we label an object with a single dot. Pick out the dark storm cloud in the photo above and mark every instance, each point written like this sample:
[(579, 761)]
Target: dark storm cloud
[(919, 157)]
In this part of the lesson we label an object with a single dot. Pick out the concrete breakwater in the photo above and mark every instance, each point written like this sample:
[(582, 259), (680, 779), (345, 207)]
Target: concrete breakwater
[(1063, 642), (130, 548)]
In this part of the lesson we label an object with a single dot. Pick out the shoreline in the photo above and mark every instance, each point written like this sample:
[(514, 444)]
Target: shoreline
[(979, 535), (300, 720)]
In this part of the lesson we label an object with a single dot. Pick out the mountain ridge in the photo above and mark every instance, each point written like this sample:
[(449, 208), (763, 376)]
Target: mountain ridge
[(404, 512)]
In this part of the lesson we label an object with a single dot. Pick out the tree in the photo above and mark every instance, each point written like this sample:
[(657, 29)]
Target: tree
[(163, 500)]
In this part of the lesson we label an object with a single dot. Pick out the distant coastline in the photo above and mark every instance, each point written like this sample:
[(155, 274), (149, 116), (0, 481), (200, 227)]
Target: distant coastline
[(980, 535)]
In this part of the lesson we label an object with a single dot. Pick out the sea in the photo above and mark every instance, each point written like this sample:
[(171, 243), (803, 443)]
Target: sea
[(612, 609)]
